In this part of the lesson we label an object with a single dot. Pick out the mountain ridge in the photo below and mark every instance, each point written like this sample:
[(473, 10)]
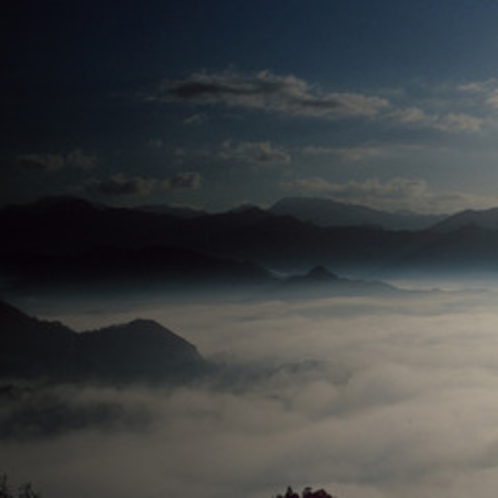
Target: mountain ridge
[(49, 237), (327, 212), (141, 350)]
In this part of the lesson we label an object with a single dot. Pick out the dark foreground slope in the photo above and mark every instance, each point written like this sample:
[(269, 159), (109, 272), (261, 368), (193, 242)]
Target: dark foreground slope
[(141, 350)]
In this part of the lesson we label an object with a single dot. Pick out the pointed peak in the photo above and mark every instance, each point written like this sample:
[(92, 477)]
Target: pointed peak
[(320, 272)]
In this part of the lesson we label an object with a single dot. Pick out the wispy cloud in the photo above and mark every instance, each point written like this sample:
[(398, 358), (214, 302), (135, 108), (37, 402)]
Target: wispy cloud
[(53, 162), (122, 185), (268, 92), (186, 180), (485, 91), (40, 162), (345, 153), (195, 119), (259, 153), (450, 122)]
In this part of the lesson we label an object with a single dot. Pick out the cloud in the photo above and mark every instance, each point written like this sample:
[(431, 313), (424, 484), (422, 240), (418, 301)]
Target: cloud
[(451, 122), (78, 159), (397, 398), (119, 184), (155, 143), (268, 92), (40, 162), (53, 162), (392, 195), (486, 91), (195, 119), (122, 185), (345, 153), (260, 153), (448, 109), (187, 180)]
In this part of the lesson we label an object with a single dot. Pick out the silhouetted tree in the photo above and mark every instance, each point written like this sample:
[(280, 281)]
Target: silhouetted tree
[(24, 491), (307, 493)]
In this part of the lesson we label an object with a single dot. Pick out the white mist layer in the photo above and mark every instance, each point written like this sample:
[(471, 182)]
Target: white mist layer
[(402, 402)]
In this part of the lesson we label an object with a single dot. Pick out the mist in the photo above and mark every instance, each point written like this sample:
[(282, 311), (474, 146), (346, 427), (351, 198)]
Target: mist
[(374, 397)]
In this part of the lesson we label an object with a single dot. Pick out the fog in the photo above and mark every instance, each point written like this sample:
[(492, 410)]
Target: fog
[(368, 397)]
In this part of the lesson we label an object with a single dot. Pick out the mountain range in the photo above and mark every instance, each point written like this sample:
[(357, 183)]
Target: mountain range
[(142, 350), (328, 213), (61, 239)]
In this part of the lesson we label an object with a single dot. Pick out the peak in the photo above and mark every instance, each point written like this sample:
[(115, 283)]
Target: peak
[(320, 272), (246, 209), (61, 203), (61, 199)]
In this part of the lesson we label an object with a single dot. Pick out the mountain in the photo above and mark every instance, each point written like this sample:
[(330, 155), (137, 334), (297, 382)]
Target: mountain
[(32, 347), (141, 350), (486, 219), (320, 282), (132, 266), (53, 242), (180, 212), (328, 213)]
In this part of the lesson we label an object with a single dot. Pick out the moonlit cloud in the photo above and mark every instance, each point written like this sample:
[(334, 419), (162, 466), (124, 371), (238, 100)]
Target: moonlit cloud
[(292, 96), (451, 122), (483, 91), (260, 153), (268, 92), (119, 184), (155, 143), (40, 162), (392, 195), (122, 185), (195, 119), (345, 153), (187, 180), (78, 159), (53, 162)]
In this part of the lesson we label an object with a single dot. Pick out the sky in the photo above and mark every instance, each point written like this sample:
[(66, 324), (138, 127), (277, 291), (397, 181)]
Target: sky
[(211, 105)]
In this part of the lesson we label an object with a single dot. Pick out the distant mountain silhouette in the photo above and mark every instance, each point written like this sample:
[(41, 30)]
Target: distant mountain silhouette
[(329, 213), (180, 212), (486, 219), (319, 281), (132, 266), (62, 238), (33, 347), (141, 350)]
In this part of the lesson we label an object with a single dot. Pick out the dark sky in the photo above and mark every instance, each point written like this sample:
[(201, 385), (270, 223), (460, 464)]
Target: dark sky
[(214, 104)]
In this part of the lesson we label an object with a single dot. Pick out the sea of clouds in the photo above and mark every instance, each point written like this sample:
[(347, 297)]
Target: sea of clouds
[(369, 397)]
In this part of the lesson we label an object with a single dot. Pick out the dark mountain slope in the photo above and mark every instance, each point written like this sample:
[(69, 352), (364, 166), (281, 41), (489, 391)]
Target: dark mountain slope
[(328, 213), (104, 265), (486, 219), (72, 237), (32, 347), (141, 350), (320, 282), (69, 225)]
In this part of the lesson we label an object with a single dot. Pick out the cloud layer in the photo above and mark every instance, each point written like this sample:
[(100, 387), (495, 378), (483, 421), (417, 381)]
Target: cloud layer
[(122, 185), (53, 162), (363, 396), (258, 153), (266, 91), (295, 97)]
